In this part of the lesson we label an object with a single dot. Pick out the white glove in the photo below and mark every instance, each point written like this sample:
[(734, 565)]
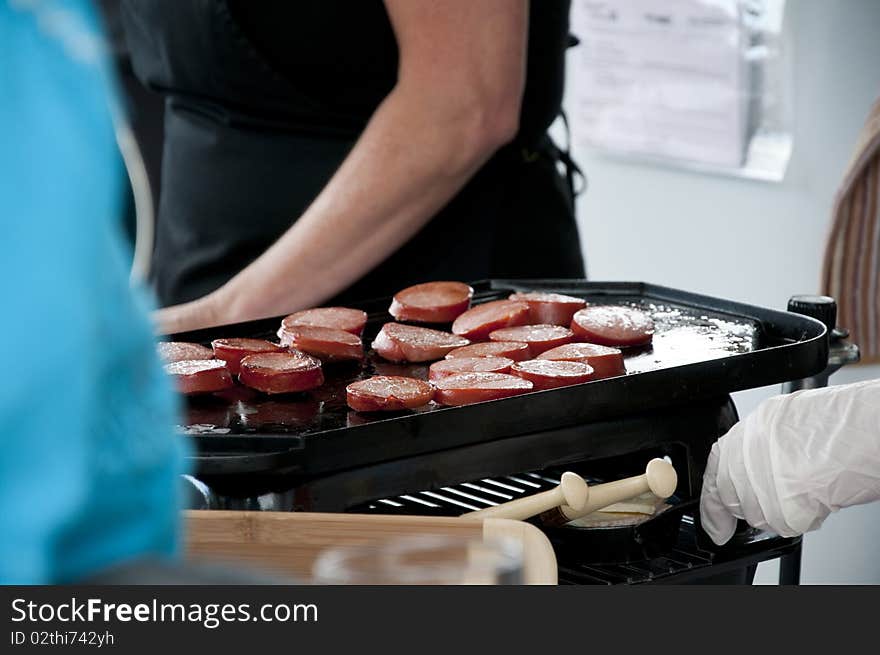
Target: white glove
[(794, 460)]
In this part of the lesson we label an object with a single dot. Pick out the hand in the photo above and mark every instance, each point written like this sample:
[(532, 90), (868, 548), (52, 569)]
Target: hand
[(793, 461), (197, 314), (728, 494)]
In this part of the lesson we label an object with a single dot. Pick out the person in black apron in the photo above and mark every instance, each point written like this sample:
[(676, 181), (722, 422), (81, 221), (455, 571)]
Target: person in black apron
[(266, 101)]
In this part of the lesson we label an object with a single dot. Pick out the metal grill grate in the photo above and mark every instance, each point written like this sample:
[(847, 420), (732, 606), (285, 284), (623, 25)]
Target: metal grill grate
[(687, 561), (468, 496)]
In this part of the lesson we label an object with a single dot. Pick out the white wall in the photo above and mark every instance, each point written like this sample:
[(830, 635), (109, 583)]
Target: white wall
[(752, 241)]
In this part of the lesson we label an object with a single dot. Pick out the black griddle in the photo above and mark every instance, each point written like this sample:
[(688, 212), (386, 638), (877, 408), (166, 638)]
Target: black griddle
[(704, 348)]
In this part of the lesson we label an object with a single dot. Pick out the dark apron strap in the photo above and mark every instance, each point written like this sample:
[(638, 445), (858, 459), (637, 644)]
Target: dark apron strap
[(575, 179), (572, 170)]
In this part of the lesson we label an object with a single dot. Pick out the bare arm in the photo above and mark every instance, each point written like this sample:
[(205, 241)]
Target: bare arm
[(456, 101)]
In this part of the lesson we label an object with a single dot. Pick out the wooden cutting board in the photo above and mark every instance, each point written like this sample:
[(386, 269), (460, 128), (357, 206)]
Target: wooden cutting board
[(288, 543)]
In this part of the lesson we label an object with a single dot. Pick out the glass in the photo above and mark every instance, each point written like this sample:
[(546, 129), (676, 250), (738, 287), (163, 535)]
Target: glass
[(422, 560)]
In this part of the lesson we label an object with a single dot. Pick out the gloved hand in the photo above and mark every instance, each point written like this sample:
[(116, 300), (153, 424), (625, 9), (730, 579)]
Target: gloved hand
[(794, 460)]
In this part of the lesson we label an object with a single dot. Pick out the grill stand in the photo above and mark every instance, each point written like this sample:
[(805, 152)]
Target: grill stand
[(840, 353)]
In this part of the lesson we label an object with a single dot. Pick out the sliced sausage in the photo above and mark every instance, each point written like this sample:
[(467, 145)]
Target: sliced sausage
[(178, 351), (281, 372), (515, 350), (341, 318), (383, 393), (432, 302), (194, 376), (407, 343), (468, 388), (232, 351), (477, 322), (548, 374), (328, 344), (550, 308), (455, 365), (538, 337), (612, 325), (605, 360)]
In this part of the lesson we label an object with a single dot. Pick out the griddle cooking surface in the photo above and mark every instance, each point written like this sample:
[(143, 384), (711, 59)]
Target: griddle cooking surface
[(683, 336), (703, 348)]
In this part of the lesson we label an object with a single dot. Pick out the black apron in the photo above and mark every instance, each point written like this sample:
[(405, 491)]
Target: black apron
[(256, 124)]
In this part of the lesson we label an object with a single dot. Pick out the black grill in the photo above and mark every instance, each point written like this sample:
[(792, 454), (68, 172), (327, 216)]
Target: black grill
[(311, 453)]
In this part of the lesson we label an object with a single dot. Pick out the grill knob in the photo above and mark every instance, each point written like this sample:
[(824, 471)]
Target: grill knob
[(823, 308)]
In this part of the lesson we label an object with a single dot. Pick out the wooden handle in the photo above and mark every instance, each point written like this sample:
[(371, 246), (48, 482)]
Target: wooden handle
[(659, 478), (572, 492)]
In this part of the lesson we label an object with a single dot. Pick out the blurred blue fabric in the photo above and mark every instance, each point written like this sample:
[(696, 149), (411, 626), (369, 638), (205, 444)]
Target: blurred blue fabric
[(89, 464)]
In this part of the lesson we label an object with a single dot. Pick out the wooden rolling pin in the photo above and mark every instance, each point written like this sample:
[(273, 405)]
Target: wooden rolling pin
[(572, 492), (659, 478)]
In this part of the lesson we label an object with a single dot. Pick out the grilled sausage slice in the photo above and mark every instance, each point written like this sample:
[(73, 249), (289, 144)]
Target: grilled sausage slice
[(275, 373), (341, 318), (477, 322), (515, 350), (197, 376), (538, 337), (432, 302), (605, 360), (328, 344), (383, 393), (408, 343), (548, 374), (612, 325), (455, 365), (469, 388), (178, 351), (550, 308), (232, 351)]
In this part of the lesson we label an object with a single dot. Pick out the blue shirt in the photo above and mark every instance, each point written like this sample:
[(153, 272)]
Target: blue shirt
[(89, 463)]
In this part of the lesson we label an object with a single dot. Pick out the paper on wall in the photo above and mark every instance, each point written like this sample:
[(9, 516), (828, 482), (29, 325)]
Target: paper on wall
[(662, 78)]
